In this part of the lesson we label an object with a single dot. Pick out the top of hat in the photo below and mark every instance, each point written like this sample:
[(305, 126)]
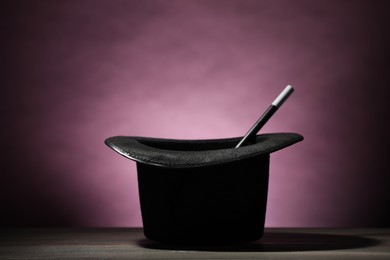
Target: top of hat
[(197, 153)]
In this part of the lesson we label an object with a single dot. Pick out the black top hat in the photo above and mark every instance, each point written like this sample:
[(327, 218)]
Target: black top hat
[(196, 153), (202, 191)]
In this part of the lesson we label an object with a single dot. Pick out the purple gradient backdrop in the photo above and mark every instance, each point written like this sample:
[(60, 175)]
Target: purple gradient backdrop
[(76, 72)]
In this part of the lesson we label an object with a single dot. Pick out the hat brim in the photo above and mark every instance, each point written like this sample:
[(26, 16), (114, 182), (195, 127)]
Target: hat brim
[(197, 153)]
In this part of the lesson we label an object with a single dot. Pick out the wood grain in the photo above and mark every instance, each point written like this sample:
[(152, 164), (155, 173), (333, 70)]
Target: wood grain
[(129, 243)]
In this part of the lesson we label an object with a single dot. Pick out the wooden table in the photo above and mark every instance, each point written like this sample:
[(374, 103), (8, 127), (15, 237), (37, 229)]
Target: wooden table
[(129, 243)]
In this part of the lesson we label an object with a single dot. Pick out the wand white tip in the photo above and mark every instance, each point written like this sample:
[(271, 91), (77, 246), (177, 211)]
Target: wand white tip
[(288, 90)]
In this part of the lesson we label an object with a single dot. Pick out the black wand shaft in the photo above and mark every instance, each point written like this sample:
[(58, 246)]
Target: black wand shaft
[(251, 135)]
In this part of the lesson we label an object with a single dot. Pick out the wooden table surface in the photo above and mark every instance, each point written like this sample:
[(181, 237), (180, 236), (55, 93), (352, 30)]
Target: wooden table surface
[(129, 243)]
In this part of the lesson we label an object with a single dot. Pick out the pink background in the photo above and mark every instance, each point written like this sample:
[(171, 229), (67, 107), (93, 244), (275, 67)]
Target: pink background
[(76, 72)]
